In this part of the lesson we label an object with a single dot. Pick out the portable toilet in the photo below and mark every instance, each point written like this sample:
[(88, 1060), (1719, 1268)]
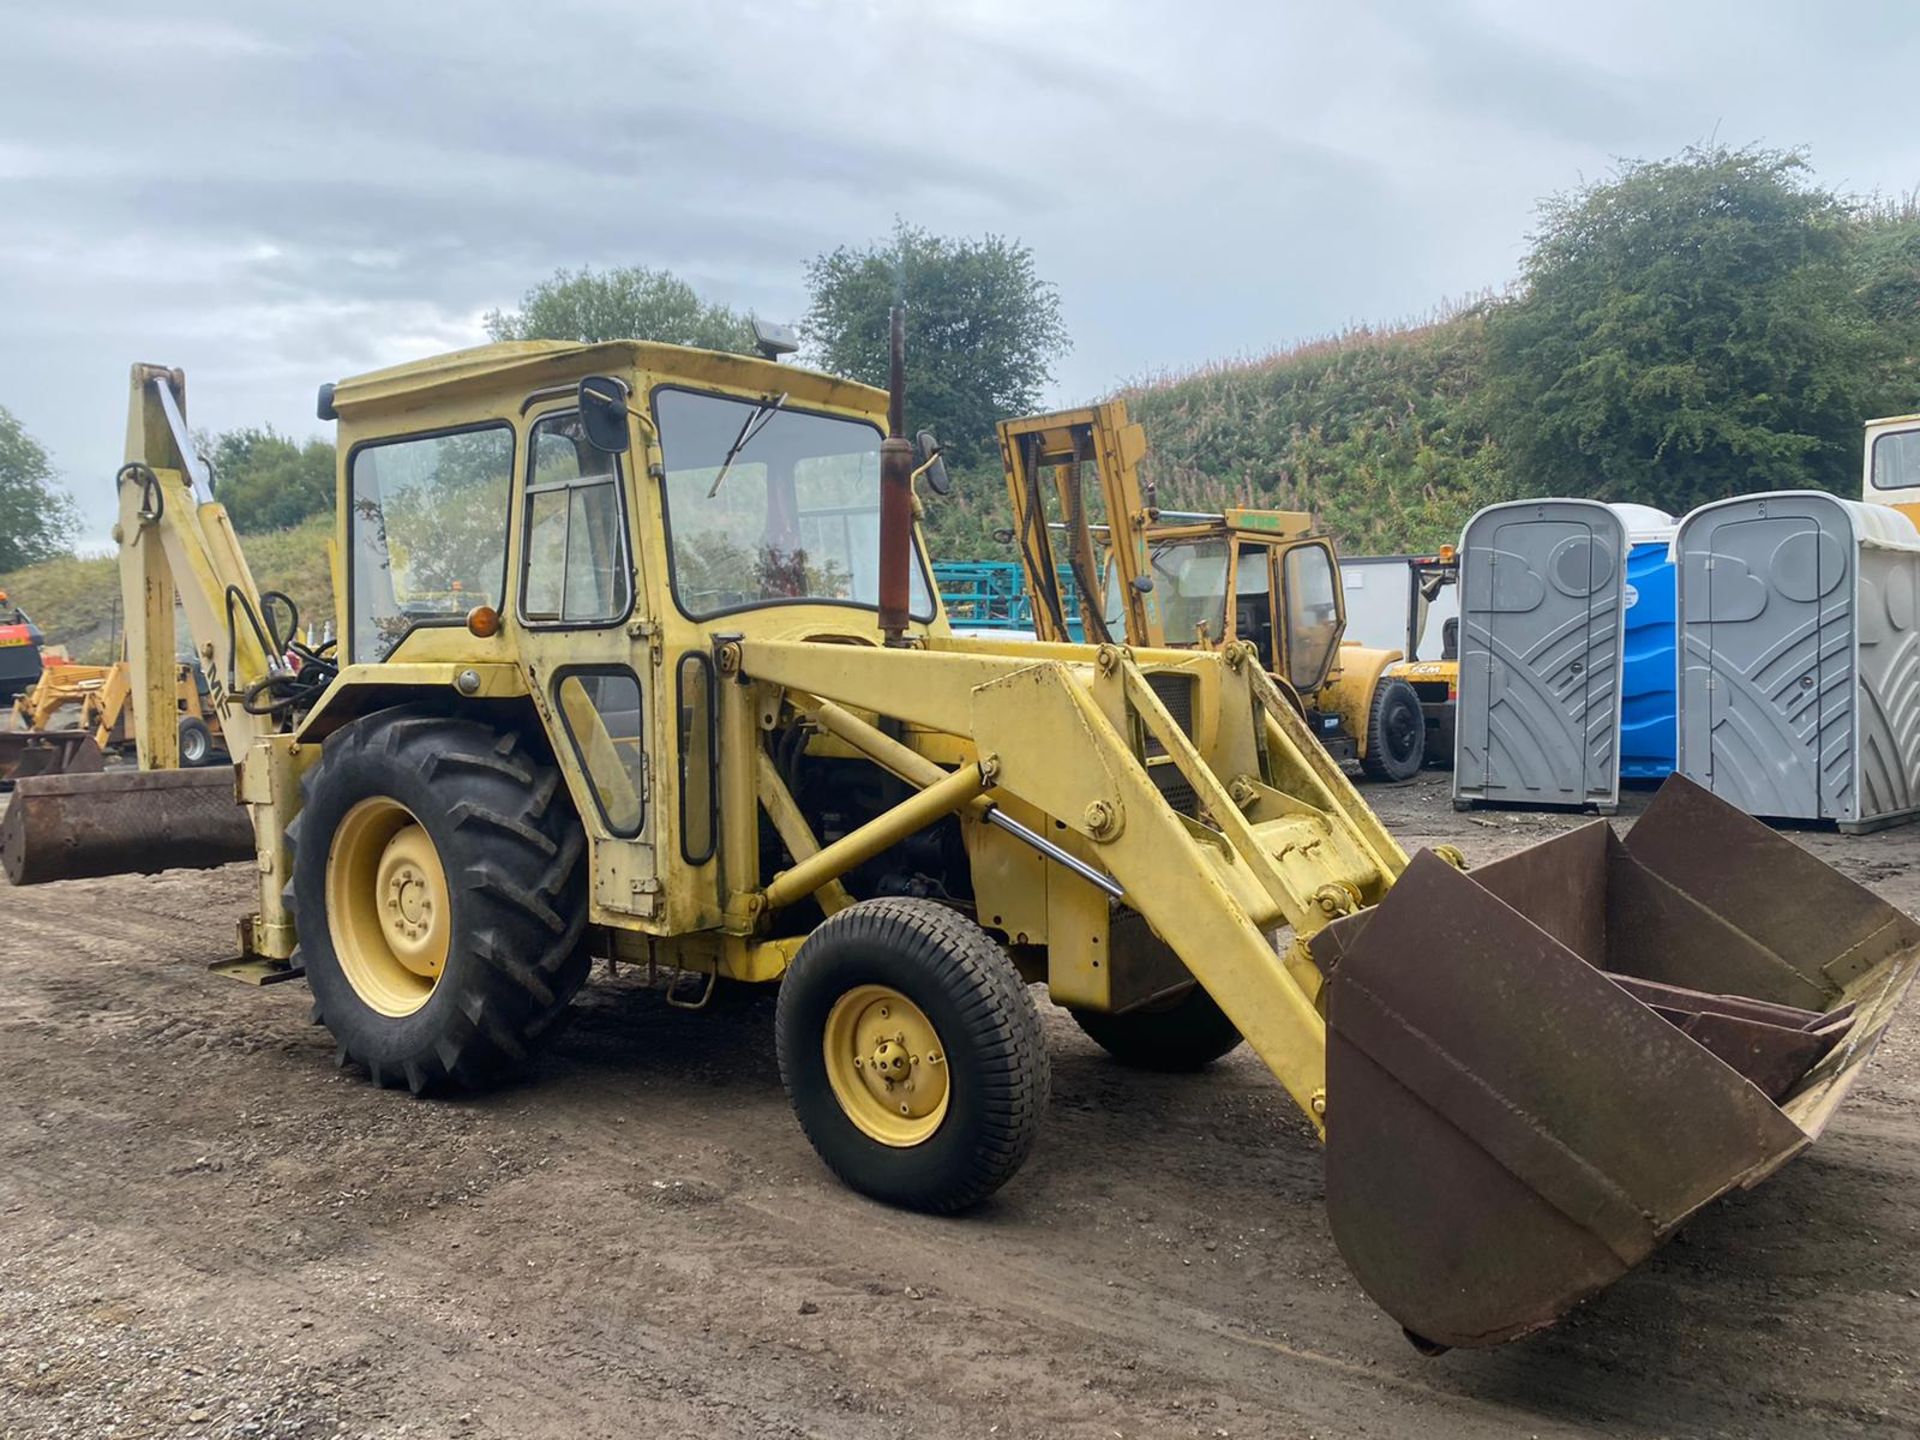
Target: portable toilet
[(1649, 689), (1542, 590), (1800, 657)]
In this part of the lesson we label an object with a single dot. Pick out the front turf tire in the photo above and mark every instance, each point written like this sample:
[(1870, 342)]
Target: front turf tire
[(961, 990), (495, 816)]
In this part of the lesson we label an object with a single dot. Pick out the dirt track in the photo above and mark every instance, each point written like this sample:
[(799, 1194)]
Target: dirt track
[(205, 1229)]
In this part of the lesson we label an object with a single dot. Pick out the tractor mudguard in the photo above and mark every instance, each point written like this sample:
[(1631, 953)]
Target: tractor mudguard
[(1538, 1071)]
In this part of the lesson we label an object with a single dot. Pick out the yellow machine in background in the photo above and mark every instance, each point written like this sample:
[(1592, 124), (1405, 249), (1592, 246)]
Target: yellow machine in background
[(641, 657), (1188, 580), (108, 713), (99, 698), (1891, 472), (1431, 664)]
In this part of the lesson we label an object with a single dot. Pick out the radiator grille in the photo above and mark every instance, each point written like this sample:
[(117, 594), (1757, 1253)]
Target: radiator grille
[(1175, 691)]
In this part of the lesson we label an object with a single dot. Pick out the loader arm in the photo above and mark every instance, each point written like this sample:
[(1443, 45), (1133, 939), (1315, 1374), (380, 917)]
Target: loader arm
[(1526, 1078), (1254, 857)]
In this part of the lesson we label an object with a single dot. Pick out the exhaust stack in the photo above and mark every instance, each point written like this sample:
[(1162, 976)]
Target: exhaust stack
[(896, 491)]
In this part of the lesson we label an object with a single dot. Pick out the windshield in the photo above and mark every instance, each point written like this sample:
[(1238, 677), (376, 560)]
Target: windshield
[(1190, 582), (795, 516)]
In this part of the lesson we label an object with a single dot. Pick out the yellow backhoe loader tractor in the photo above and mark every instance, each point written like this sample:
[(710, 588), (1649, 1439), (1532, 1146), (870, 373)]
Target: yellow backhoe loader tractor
[(1186, 580), (76, 715), (33, 744), (109, 713), (1430, 665), (641, 657)]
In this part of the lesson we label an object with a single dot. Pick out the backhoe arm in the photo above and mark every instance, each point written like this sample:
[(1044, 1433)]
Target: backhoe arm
[(172, 542)]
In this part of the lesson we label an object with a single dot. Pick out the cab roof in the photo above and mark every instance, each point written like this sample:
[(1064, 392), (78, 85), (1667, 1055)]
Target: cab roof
[(525, 366)]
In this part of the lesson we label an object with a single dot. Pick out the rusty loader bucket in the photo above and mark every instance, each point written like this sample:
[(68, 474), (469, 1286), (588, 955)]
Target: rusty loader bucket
[(68, 827), (1537, 1071), (25, 753)]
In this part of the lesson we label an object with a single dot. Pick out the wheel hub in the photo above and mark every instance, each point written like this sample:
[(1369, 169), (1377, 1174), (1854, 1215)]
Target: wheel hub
[(388, 909), (886, 1065), (408, 912)]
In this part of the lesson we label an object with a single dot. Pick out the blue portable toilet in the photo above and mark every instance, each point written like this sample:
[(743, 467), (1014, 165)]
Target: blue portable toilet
[(1649, 699)]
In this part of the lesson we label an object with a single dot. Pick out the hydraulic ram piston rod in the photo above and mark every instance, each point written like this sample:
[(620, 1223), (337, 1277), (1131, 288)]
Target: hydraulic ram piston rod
[(1099, 879)]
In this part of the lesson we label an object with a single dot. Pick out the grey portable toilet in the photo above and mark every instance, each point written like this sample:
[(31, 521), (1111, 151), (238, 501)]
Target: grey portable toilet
[(1799, 657), (1541, 597)]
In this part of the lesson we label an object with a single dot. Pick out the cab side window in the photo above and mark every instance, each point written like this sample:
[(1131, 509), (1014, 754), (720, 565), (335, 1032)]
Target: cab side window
[(575, 569), (426, 543)]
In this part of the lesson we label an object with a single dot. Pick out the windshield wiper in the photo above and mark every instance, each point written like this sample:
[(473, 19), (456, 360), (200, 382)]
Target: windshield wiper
[(755, 423)]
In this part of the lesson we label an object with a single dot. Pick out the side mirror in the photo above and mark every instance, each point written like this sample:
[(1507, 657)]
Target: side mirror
[(927, 462), (603, 414)]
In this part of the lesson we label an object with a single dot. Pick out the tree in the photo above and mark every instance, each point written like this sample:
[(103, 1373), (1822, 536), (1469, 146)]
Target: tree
[(982, 329), (628, 303), (269, 482), (1687, 330), (38, 518)]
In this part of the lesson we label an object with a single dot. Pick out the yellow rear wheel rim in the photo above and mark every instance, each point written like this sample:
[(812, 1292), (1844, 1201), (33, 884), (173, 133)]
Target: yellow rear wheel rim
[(388, 910), (887, 1066)]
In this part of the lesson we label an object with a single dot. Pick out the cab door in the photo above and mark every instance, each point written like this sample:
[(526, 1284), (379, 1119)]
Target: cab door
[(1313, 614), (575, 610)]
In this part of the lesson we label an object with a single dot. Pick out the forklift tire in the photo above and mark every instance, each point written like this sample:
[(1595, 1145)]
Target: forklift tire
[(1396, 733), (1187, 1032), (912, 1054), (440, 896), (196, 743)]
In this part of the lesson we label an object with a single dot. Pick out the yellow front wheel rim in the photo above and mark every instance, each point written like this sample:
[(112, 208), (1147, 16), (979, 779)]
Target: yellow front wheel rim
[(887, 1066), (388, 909)]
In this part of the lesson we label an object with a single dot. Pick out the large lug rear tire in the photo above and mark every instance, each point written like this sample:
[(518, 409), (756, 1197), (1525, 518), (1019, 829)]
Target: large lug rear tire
[(1187, 1032), (912, 1054), (1396, 733), (440, 897), (1184, 1031)]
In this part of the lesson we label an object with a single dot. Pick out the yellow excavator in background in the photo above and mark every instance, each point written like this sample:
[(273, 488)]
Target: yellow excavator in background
[(641, 657), (1183, 579), (102, 720)]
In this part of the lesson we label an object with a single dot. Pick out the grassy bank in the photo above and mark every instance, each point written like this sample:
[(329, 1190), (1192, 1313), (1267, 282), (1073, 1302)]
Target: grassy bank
[(77, 602)]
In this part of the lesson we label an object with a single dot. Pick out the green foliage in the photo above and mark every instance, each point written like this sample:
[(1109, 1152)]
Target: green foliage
[(77, 602), (1691, 329), (37, 516), (627, 303), (982, 329), (1382, 434), (269, 482)]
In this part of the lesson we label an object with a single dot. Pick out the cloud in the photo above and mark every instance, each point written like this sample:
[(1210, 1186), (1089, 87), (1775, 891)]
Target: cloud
[(276, 195)]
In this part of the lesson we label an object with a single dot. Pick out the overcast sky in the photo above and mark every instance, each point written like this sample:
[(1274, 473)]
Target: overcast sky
[(276, 194)]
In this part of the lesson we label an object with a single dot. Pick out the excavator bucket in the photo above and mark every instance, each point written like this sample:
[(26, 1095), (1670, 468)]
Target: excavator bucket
[(25, 753), (1539, 1070), (123, 822)]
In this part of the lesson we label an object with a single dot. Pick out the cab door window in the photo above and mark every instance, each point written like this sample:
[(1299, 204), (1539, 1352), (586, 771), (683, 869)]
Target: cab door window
[(1311, 593), (575, 570)]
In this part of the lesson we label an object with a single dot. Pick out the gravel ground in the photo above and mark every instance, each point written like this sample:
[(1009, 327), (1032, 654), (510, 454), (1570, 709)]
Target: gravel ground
[(208, 1230)]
